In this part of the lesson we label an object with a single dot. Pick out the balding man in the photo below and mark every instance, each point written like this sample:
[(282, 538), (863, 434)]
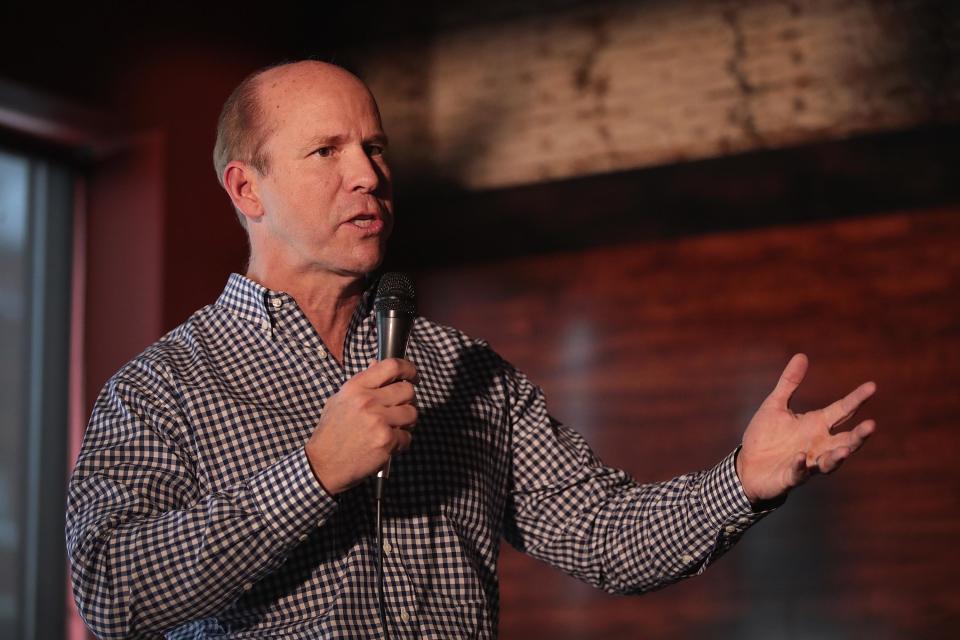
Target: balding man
[(220, 488)]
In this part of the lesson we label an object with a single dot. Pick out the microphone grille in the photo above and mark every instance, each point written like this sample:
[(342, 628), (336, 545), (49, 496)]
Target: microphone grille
[(395, 292)]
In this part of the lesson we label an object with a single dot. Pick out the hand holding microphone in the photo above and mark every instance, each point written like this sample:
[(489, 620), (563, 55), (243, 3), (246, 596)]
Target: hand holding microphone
[(370, 417)]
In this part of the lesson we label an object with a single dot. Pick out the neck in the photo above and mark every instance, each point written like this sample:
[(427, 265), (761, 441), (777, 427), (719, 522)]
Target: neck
[(327, 299)]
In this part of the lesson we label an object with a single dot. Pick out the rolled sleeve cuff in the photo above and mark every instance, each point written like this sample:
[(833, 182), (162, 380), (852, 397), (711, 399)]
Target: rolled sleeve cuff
[(288, 495), (725, 503)]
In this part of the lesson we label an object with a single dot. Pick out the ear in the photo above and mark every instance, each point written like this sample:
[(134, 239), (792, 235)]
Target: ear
[(240, 183)]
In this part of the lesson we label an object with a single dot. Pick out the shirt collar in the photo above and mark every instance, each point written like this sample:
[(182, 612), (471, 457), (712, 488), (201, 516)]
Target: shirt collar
[(246, 299), (255, 303)]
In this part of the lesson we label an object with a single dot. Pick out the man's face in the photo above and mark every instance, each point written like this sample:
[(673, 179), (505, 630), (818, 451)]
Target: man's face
[(327, 196)]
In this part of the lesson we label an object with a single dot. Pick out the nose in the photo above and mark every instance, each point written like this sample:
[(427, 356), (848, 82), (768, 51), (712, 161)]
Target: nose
[(362, 173)]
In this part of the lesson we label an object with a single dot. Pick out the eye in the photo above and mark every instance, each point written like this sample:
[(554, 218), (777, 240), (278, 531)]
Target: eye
[(375, 149), (325, 152)]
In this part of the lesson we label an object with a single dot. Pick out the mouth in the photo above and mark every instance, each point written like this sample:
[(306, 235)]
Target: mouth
[(368, 222)]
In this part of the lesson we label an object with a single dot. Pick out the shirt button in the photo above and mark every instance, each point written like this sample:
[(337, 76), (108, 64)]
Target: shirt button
[(405, 616), (321, 352), (277, 303), (303, 537), (686, 559), (387, 547), (265, 325), (247, 586), (730, 528)]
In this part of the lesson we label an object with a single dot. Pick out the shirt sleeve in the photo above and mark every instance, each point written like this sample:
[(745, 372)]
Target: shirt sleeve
[(148, 549), (597, 524)]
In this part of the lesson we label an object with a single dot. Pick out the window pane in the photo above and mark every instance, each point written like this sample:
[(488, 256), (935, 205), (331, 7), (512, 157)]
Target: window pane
[(14, 189)]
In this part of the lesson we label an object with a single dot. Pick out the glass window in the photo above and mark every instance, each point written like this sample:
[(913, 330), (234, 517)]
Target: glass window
[(35, 262), (14, 174)]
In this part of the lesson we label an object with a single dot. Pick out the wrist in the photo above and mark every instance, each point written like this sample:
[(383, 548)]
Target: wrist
[(757, 503), (322, 479), (738, 467)]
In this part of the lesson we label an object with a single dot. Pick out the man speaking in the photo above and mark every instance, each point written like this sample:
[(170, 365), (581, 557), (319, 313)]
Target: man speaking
[(223, 487)]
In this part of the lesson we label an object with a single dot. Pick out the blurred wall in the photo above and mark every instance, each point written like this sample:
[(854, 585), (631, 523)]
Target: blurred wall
[(516, 93), (660, 352), (645, 205)]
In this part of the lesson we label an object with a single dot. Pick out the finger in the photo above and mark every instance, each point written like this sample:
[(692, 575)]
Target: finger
[(384, 372), (402, 442), (865, 429), (855, 438), (790, 379), (403, 416), (400, 392), (836, 413), (830, 461)]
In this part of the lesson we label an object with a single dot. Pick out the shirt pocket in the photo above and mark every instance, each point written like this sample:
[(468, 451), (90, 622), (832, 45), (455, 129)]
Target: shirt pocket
[(446, 618)]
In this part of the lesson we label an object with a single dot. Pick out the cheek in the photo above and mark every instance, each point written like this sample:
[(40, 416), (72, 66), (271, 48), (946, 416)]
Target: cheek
[(312, 199), (306, 198), (321, 191)]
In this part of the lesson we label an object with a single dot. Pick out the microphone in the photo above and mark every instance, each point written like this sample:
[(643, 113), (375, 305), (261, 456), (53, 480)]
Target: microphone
[(395, 306)]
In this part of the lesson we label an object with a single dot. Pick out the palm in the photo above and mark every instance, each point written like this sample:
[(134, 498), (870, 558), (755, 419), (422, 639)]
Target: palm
[(781, 449)]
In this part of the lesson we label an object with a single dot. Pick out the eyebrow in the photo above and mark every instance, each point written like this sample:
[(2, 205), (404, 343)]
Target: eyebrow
[(337, 140), (377, 138)]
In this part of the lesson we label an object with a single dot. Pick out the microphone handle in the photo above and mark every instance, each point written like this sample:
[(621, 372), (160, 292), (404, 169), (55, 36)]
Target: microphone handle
[(393, 329)]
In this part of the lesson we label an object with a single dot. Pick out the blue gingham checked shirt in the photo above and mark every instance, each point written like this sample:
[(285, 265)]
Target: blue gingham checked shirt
[(192, 511)]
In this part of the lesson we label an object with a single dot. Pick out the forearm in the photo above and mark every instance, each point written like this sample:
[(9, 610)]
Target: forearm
[(139, 572), (664, 532), (597, 524), (601, 527)]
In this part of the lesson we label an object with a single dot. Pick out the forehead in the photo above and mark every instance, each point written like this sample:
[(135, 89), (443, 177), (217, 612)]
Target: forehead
[(311, 99)]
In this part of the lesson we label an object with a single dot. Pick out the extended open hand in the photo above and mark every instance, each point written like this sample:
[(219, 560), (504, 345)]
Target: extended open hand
[(781, 449)]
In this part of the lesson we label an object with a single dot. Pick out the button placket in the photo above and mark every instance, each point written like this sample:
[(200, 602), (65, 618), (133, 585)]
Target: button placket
[(404, 594)]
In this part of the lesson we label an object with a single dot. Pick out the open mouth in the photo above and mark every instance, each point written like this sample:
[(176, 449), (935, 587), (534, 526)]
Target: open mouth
[(368, 222), (364, 221)]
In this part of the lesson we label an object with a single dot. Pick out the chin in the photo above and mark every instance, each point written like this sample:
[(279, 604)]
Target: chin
[(363, 265)]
